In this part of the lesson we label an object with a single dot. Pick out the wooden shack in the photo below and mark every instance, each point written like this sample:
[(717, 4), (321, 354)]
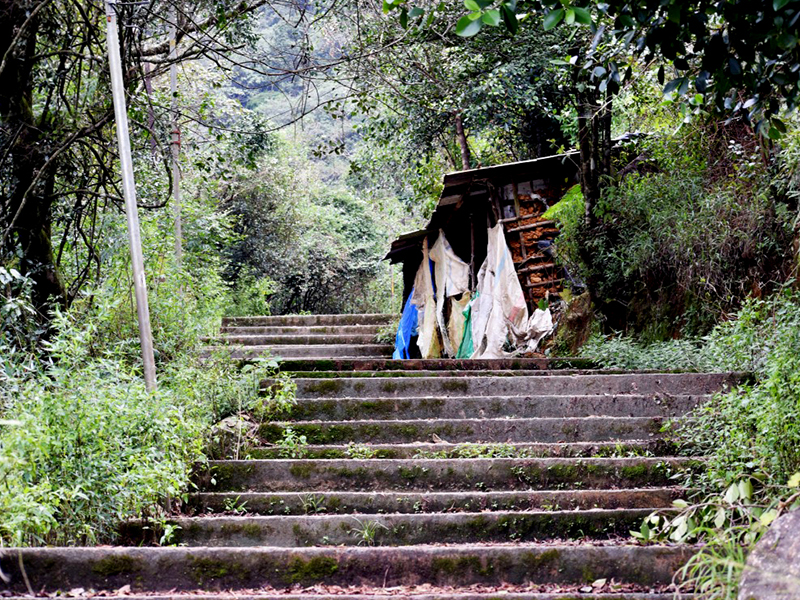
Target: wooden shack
[(514, 194)]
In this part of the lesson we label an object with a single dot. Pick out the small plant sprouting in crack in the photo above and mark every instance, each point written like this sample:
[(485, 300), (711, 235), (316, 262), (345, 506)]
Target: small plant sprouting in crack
[(313, 504), (366, 532), (292, 445)]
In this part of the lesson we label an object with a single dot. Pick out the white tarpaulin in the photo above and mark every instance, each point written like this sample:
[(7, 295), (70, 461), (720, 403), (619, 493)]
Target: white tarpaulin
[(452, 278), (501, 301), (537, 328), (425, 302)]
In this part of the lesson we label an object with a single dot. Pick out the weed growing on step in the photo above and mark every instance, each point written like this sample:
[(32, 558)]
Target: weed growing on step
[(366, 532), (233, 506), (313, 504), (292, 444), (361, 451)]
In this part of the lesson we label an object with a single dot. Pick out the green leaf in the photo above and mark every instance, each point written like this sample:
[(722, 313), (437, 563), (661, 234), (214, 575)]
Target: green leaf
[(509, 18), (768, 517), (472, 5), (674, 85), (794, 480), (553, 18), (582, 15), (467, 27), (416, 12), (404, 18), (720, 518), (732, 495), (779, 4), (787, 41), (491, 17), (745, 489), (569, 16)]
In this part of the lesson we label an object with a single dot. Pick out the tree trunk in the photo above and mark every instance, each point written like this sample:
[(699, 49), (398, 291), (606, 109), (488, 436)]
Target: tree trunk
[(26, 223), (462, 142)]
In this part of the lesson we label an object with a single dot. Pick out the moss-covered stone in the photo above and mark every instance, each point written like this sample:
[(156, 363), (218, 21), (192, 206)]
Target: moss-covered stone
[(118, 564), (308, 572)]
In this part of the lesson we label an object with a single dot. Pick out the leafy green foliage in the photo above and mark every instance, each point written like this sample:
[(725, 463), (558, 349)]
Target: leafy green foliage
[(691, 230), (750, 436)]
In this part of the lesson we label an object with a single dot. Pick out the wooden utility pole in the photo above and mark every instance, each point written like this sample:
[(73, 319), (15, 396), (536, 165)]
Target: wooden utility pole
[(176, 133), (129, 191)]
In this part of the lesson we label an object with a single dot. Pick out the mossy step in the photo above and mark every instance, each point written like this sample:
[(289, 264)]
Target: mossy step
[(578, 429), (291, 531), (376, 594), (650, 447), (302, 330), (303, 352), (210, 569), (614, 405), (308, 320), (365, 503), (461, 474), (443, 364), (593, 384), (327, 339)]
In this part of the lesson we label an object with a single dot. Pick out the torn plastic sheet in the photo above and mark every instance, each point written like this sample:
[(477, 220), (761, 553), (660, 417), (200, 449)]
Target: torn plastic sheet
[(501, 301), (424, 299), (539, 326), (406, 330), (452, 278)]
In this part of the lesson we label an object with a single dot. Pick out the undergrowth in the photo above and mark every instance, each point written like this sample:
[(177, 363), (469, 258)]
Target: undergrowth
[(750, 436)]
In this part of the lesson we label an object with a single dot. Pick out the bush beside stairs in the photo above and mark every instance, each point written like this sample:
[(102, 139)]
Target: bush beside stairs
[(420, 479)]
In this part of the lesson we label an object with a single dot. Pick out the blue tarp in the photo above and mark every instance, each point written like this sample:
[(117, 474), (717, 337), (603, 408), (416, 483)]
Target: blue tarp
[(407, 329)]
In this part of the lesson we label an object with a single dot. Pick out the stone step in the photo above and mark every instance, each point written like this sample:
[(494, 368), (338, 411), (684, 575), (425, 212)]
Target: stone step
[(295, 340), (618, 405), (303, 352), (503, 592), (302, 330), (291, 531), (629, 448), (308, 320), (293, 503), (404, 431), (183, 569), (462, 474), (437, 364), (544, 383)]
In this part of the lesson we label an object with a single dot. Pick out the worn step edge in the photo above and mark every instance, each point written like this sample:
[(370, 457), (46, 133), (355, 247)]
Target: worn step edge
[(291, 531), (302, 352), (461, 474), (540, 383), (333, 339), (446, 364), (177, 569), (571, 429), (344, 319), (523, 406), (300, 329), (628, 448), (296, 503), (503, 594)]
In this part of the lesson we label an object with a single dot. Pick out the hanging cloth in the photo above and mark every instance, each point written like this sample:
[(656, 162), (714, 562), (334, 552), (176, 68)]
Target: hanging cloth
[(465, 349), (406, 330), (424, 298), (501, 302), (452, 278)]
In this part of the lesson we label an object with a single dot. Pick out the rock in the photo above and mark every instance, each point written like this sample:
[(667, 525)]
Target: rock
[(772, 571)]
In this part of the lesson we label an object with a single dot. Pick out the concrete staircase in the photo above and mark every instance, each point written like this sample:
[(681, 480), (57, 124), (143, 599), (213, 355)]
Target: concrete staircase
[(304, 336), (419, 479)]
